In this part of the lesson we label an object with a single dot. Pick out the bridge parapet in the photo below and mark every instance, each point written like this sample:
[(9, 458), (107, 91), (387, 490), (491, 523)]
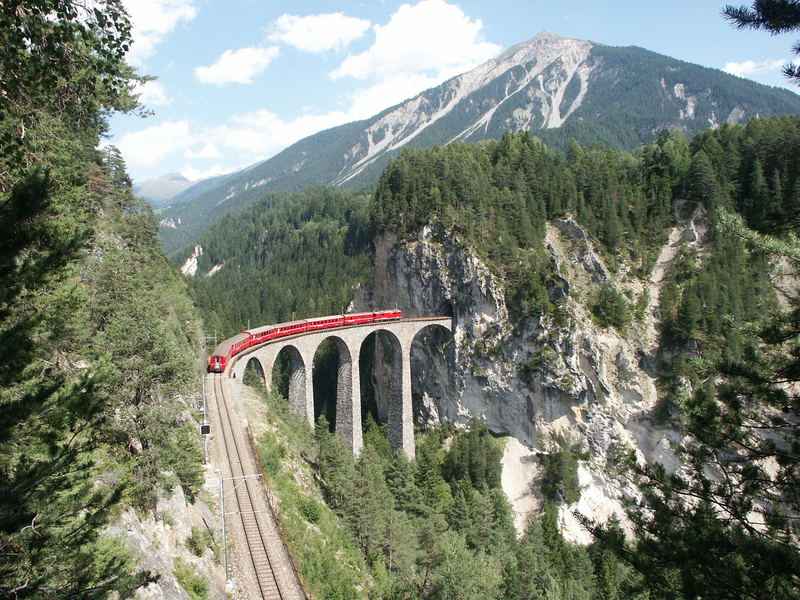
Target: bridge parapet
[(302, 347)]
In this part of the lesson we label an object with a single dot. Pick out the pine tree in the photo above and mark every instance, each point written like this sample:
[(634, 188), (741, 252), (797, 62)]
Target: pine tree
[(401, 478), (459, 574), (775, 16), (372, 506)]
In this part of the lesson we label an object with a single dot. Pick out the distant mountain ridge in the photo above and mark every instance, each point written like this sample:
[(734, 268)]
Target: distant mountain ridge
[(159, 191), (555, 87)]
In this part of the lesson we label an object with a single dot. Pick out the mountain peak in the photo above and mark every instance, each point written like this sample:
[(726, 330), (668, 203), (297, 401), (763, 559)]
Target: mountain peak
[(541, 40), (160, 190), (552, 86), (173, 177)]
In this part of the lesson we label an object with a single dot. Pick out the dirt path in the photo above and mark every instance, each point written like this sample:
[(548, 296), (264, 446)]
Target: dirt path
[(665, 258)]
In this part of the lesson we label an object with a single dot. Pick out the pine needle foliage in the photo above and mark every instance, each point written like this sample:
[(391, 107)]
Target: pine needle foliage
[(87, 399), (774, 16)]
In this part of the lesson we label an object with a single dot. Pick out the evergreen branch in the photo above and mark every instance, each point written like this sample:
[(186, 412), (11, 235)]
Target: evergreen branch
[(776, 16), (788, 248)]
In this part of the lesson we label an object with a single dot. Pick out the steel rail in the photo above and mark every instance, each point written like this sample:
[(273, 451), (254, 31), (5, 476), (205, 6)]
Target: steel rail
[(245, 504)]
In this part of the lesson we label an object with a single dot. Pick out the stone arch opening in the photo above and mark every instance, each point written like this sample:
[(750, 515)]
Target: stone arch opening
[(289, 378), (368, 383), (432, 363), (335, 381), (381, 376), (254, 373), (331, 380)]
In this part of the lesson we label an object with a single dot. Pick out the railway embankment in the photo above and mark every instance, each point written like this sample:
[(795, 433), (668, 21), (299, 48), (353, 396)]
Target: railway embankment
[(331, 564), (264, 568)]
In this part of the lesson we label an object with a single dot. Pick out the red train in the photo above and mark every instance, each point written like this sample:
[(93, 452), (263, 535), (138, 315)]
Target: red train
[(241, 341)]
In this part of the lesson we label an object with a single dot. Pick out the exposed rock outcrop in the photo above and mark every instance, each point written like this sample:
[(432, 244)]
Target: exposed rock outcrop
[(161, 541), (536, 378)]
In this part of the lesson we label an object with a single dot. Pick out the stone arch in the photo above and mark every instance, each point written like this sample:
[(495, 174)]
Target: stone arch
[(432, 330), (432, 358), (348, 404), (366, 372), (392, 368), (395, 387), (253, 367), (297, 377)]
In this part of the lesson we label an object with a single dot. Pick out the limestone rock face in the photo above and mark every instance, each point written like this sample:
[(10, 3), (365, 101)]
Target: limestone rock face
[(160, 540), (532, 379)]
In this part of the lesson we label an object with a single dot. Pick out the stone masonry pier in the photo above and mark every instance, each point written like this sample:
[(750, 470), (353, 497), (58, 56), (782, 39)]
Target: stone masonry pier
[(349, 340)]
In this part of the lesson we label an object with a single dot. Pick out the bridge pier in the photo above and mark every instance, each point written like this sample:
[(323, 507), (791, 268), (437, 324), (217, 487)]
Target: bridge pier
[(400, 415), (348, 399), (301, 350)]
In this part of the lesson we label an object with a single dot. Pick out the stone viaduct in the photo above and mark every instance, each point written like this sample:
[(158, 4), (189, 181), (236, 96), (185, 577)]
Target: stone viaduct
[(301, 349)]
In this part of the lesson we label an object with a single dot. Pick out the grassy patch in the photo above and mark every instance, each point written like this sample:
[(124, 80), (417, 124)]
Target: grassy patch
[(332, 566), (195, 585)]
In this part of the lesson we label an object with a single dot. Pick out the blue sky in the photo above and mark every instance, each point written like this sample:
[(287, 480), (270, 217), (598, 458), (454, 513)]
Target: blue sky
[(239, 80)]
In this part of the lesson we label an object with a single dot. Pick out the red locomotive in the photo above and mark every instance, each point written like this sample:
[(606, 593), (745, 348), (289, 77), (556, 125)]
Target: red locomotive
[(218, 361)]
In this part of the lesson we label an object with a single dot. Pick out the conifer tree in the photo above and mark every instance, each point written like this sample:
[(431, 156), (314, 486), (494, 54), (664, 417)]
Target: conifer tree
[(775, 16)]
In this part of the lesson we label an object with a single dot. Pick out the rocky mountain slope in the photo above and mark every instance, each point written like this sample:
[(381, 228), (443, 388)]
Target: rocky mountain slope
[(556, 87), (595, 385), (158, 192)]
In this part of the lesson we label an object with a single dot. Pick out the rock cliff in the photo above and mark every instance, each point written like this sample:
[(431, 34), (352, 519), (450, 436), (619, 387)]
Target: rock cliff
[(540, 377), (164, 541)]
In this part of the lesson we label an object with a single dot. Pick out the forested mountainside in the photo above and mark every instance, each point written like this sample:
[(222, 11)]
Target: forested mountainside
[(496, 198), (554, 87), (99, 335), (668, 368), (621, 313), (288, 256)]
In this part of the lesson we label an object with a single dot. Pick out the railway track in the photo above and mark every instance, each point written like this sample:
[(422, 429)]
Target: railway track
[(247, 503)]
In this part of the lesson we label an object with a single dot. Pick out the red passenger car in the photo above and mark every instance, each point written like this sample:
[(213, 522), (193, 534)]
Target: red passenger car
[(218, 361)]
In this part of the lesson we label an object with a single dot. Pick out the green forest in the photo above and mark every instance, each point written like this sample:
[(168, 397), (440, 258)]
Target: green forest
[(99, 334), (103, 339), (381, 526), (288, 256)]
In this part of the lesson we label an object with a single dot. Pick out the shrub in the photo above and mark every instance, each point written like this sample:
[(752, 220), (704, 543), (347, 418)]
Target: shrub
[(309, 508), (195, 585), (611, 308), (199, 540), (271, 452)]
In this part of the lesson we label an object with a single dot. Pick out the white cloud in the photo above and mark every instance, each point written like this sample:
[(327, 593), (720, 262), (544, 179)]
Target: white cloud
[(262, 133), (152, 20), (242, 140), (237, 66), (152, 93), (208, 150), (318, 33), (147, 147), (431, 36), (751, 67), (193, 174)]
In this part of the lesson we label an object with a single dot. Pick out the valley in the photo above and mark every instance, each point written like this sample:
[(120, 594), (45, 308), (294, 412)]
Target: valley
[(538, 326), (558, 88)]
